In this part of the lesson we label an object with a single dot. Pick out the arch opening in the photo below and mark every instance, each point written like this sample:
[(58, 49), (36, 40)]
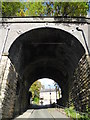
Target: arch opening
[(45, 93)]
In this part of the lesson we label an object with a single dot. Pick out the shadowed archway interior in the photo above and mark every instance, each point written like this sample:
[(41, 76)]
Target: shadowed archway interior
[(45, 53)]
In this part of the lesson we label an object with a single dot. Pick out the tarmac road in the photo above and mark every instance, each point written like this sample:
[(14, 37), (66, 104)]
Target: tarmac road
[(49, 113)]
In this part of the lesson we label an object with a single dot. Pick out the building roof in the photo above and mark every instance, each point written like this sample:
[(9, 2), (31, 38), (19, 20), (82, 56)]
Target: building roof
[(48, 90)]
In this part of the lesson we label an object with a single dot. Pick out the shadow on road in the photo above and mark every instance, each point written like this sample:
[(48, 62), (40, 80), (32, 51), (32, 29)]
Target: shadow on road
[(34, 106)]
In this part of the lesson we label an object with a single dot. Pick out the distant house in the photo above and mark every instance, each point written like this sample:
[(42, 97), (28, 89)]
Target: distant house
[(48, 96)]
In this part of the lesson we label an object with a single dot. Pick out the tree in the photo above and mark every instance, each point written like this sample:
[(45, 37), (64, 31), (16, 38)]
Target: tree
[(10, 8), (34, 9), (57, 89), (44, 8), (67, 8), (57, 9), (35, 89)]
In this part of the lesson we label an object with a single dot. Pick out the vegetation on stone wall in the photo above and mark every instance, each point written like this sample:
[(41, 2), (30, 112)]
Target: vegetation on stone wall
[(44, 9), (76, 115)]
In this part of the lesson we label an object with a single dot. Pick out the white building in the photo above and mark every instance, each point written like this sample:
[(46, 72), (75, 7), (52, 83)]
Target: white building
[(48, 96)]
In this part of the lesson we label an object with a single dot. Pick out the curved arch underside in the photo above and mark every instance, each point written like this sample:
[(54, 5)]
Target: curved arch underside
[(47, 53)]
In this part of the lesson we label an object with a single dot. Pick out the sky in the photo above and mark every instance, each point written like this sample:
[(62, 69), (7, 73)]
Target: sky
[(89, 9), (46, 82)]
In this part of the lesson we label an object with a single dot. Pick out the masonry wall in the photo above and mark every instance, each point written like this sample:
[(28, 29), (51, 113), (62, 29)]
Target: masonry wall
[(21, 98), (8, 88), (11, 102), (81, 87)]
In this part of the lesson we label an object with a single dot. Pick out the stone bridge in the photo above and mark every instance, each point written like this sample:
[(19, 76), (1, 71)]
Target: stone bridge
[(32, 48)]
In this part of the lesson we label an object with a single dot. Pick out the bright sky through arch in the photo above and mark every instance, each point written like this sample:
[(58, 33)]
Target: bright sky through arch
[(46, 82)]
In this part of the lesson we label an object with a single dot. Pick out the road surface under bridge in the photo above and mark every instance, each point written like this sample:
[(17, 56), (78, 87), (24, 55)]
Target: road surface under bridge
[(49, 113)]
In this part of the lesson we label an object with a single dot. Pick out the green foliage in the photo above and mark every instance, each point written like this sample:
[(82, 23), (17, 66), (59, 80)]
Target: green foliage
[(34, 9), (44, 9), (72, 113), (36, 100), (10, 8), (57, 9), (70, 8), (35, 89)]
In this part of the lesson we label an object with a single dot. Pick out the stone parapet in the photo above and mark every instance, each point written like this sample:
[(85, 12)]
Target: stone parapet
[(46, 19)]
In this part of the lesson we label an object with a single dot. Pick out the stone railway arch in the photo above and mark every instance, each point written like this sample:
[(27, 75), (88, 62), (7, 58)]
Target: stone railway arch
[(44, 52)]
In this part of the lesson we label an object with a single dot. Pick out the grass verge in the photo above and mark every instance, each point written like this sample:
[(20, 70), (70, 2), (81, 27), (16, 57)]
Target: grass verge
[(75, 115)]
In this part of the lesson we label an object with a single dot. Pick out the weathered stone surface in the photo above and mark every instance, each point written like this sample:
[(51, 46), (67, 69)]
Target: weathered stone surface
[(81, 86), (8, 89), (19, 26), (37, 50)]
